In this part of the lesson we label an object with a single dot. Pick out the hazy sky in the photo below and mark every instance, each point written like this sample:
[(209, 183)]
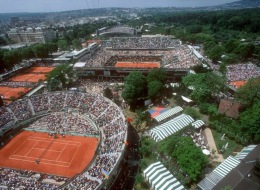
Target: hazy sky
[(7, 6)]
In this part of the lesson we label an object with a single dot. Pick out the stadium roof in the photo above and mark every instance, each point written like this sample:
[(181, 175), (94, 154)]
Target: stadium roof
[(166, 129), (160, 178), (168, 113), (211, 180), (79, 64), (197, 124)]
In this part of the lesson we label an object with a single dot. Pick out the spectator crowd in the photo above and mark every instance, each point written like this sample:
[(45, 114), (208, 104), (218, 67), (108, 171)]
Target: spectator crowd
[(70, 112), (161, 49)]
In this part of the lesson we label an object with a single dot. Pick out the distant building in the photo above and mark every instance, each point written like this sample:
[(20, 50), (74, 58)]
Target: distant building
[(229, 108), (30, 35)]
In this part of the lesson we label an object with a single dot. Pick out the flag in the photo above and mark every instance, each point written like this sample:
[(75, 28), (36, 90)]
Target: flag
[(129, 119), (105, 173)]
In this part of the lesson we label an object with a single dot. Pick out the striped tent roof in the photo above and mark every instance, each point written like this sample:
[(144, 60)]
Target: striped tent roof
[(245, 152), (211, 180), (168, 113), (197, 124), (160, 178), (170, 127)]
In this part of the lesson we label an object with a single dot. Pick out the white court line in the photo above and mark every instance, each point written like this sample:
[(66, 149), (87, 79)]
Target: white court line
[(43, 162), (74, 155), (54, 139), (61, 152), (47, 150), (24, 158), (21, 146), (31, 148)]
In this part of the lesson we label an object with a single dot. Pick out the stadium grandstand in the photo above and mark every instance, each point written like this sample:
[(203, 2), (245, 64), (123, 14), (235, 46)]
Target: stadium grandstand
[(60, 116)]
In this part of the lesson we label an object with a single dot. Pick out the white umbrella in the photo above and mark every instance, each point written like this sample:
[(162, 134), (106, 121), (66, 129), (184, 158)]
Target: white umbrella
[(206, 152)]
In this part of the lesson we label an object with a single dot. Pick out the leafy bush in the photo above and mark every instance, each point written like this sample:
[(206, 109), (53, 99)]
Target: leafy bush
[(193, 113)]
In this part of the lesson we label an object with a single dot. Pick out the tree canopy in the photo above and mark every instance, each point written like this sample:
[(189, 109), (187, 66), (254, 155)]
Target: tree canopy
[(135, 88), (249, 93), (204, 84), (189, 157), (62, 76)]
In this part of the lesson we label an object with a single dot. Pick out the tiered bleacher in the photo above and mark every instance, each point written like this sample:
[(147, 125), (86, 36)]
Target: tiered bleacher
[(141, 49), (65, 113)]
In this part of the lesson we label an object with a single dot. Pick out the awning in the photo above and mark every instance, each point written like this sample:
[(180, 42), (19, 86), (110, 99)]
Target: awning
[(186, 99), (197, 124), (168, 113), (211, 180), (170, 127), (160, 178)]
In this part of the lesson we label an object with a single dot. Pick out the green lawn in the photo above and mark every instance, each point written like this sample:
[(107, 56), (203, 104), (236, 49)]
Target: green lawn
[(232, 145)]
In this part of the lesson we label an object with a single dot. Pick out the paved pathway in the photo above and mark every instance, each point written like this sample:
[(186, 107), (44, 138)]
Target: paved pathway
[(217, 157)]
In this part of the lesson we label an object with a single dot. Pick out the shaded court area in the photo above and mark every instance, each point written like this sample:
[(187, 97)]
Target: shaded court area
[(64, 156), (8, 92), (137, 64), (28, 77), (41, 69)]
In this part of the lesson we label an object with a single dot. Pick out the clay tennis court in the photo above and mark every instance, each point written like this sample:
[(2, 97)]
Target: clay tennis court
[(137, 64), (8, 92), (238, 84), (28, 77), (41, 69), (62, 156)]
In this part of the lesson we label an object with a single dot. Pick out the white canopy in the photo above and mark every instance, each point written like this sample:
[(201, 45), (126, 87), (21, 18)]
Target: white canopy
[(168, 113), (160, 178)]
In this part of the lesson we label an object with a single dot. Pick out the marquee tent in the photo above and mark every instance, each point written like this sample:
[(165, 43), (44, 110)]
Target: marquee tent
[(168, 113), (170, 127), (161, 179)]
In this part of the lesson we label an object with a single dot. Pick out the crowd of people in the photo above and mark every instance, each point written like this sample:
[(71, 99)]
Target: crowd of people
[(160, 42), (241, 72), (121, 29), (23, 179), (15, 84), (65, 123), (72, 112), (167, 51)]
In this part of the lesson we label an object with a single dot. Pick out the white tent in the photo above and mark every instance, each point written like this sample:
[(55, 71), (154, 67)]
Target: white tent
[(168, 113), (170, 127), (197, 124), (160, 178)]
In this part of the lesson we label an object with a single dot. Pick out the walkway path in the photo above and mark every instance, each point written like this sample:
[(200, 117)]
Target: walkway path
[(217, 157)]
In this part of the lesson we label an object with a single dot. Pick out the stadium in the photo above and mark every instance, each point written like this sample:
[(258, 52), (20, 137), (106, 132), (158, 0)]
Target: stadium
[(118, 56), (76, 140), (66, 140)]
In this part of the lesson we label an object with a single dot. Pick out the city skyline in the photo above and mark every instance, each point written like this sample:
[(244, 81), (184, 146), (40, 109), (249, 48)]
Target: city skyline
[(14, 6)]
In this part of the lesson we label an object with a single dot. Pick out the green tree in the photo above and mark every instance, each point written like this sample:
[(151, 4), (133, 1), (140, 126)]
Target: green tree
[(250, 122), (62, 44), (193, 113), (135, 88), (108, 93), (62, 76), (249, 93), (41, 51), (205, 85), (76, 44), (155, 89), (157, 75), (216, 52)]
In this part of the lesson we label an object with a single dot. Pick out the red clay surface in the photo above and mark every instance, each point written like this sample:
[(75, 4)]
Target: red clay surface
[(28, 77), (7, 92), (238, 84), (41, 69), (62, 156), (138, 64)]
